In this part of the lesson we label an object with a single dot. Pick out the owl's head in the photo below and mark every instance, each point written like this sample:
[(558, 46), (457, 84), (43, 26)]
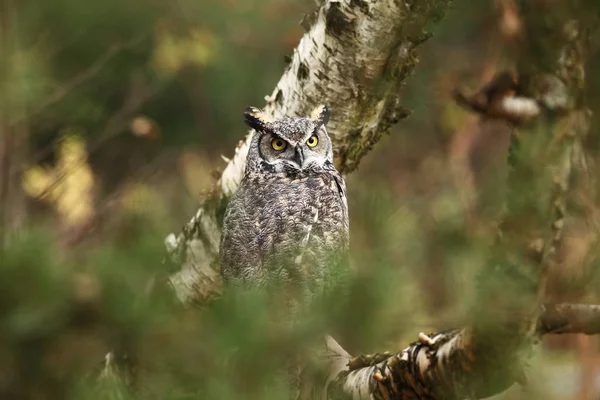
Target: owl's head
[(296, 143)]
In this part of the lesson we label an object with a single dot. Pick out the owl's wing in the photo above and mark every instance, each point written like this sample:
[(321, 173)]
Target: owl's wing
[(338, 186), (341, 186), (310, 219), (239, 252)]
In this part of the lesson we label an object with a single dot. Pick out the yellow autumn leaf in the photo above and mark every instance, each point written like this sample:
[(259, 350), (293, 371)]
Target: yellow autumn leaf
[(69, 186), (71, 150), (36, 180), (201, 46), (195, 47)]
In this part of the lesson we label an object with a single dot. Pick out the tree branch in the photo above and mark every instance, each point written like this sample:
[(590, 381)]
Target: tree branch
[(428, 367), (569, 318)]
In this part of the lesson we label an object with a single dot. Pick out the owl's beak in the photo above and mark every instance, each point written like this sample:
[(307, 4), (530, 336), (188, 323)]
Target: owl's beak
[(299, 156)]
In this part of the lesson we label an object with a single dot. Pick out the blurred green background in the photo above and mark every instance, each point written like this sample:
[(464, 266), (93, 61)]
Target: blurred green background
[(114, 117)]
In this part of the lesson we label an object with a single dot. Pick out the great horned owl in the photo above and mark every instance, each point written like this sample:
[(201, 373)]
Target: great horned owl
[(287, 224)]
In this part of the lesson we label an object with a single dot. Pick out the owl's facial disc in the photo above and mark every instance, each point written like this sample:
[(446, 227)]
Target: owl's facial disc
[(294, 144)]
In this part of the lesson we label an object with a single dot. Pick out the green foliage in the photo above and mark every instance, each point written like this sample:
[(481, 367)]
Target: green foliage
[(61, 312)]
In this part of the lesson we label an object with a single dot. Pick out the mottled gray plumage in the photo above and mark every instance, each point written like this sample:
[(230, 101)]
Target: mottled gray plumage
[(287, 224)]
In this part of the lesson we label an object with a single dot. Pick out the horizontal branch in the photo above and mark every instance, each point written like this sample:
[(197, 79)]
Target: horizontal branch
[(436, 365), (570, 318)]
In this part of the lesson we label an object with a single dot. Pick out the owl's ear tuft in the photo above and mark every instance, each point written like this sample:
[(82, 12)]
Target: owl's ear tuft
[(257, 120), (320, 115)]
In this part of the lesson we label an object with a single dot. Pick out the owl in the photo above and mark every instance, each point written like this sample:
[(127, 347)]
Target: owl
[(286, 227)]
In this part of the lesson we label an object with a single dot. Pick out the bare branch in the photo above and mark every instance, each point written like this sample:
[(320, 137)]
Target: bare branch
[(570, 318), (500, 99), (85, 75), (139, 93)]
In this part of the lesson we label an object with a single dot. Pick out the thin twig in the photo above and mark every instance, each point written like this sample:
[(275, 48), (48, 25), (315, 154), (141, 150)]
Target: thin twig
[(143, 173), (85, 75), (115, 125)]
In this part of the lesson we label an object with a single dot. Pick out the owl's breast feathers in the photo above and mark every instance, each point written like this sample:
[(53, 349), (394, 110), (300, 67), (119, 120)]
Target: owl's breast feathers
[(286, 228)]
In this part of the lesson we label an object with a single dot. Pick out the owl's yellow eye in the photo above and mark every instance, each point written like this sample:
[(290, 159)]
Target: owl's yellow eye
[(278, 144), (312, 141)]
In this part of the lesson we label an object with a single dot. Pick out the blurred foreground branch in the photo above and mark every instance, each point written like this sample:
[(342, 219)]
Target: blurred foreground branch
[(569, 318), (427, 367)]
